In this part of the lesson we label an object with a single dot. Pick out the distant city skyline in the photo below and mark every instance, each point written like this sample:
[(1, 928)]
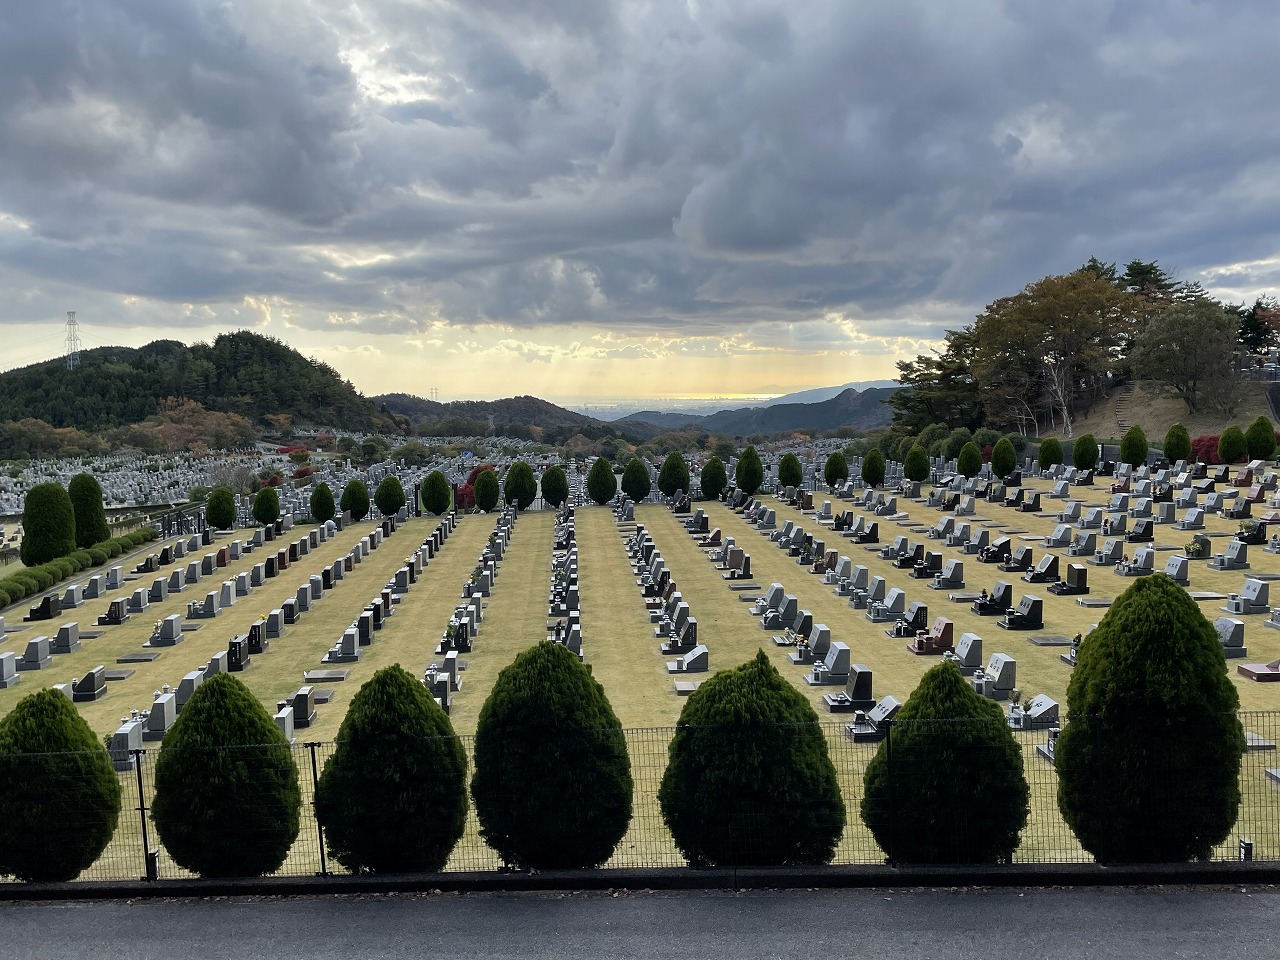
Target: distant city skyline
[(608, 199)]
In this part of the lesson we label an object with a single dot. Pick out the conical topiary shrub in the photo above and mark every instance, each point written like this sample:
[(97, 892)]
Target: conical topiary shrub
[(635, 480), (389, 497), (266, 506), (1084, 452), (1261, 439), (487, 490), (1149, 761), (1050, 453), (227, 800), (1134, 447), (555, 486), (915, 466), (873, 468), (602, 485), (552, 784), (713, 479), (1004, 459), (749, 780), (750, 472), (790, 473), (436, 494), (393, 796), (1177, 444), (1233, 446), (355, 499), (947, 785), (836, 470), (323, 508), (48, 524), (220, 508), (969, 462), (59, 796), (86, 504), (674, 475), (520, 487)]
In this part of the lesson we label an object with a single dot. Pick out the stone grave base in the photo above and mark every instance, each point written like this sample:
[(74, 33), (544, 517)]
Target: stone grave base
[(739, 587), (191, 627), (1253, 743), (325, 676), (323, 696), (1043, 751), (686, 687), (1094, 601), (1261, 672), (140, 656), (1205, 595), (112, 675), (1044, 641)]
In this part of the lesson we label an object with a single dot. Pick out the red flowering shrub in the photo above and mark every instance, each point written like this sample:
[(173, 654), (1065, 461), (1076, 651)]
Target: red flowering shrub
[(475, 472), (466, 498), (1204, 448)]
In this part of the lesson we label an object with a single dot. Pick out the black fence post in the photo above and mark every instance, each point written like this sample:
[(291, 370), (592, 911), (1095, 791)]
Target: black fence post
[(315, 786), (150, 859), (893, 785)]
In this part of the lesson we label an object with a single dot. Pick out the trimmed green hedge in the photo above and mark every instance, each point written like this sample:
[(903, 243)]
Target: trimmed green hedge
[(24, 583)]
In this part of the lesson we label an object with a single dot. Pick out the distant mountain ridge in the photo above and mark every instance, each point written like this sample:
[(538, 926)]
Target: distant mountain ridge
[(862, 410), (818, 394)]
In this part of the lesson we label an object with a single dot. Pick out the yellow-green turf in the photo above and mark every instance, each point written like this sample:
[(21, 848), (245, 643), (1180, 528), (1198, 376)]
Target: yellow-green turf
[(623, 653)]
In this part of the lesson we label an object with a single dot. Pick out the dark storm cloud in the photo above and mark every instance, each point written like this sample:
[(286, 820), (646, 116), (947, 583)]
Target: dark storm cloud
[(666, 167)]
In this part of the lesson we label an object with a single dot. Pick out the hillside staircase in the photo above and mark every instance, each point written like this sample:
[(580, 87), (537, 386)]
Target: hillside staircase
[(1122, 409)]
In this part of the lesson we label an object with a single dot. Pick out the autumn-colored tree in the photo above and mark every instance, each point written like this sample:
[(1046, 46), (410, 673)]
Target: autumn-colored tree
[(1045, 353)]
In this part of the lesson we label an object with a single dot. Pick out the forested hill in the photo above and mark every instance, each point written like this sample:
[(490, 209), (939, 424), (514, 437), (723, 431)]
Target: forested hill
[(241, 372), (465, 416)]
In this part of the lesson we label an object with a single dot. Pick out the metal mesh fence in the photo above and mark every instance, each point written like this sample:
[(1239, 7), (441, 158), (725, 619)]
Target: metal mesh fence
[(136, 850)]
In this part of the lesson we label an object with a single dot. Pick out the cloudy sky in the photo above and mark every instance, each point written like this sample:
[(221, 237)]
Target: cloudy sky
[(578, 198)]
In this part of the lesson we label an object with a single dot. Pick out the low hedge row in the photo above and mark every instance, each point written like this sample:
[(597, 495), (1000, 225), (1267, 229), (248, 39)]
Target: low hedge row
[(32, 580)]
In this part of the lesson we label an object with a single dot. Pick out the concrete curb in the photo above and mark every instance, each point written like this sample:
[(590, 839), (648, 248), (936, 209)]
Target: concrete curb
[(677, 878)]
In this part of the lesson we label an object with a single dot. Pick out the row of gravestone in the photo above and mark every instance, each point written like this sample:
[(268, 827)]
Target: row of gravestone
[(673, 622), (442, 677), (298, 710), (995, 681), (564, 610)]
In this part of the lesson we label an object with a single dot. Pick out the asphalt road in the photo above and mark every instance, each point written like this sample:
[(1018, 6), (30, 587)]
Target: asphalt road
[(1157, 923)]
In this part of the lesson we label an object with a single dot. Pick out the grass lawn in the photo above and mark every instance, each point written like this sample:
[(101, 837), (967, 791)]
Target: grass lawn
[(624, 656)]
